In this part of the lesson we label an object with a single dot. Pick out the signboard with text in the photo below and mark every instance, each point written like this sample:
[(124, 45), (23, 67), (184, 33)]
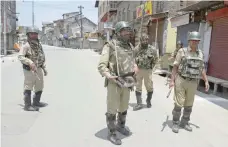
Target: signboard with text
[(144, 9), (180, 20)]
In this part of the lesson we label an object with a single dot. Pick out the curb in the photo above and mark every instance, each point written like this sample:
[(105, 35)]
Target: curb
[(9, 57)]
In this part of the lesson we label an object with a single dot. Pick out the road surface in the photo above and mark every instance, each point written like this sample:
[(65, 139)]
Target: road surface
[(75, 115)]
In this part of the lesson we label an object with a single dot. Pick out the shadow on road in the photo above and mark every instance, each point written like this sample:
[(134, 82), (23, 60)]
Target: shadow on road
[(214, 99), (134, 104), (102, 134), (22, 107), (169, 123)]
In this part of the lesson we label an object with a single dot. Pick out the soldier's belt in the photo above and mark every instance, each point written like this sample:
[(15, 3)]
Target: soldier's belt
[(188, 79), (126, 82), (26, 67)]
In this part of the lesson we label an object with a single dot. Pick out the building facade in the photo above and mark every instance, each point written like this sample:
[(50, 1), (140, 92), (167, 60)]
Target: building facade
[(67, 32), (210, 18), (8, 25)]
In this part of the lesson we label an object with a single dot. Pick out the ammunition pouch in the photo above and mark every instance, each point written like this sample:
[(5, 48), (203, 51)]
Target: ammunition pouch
[(126, 81), (26, 67)]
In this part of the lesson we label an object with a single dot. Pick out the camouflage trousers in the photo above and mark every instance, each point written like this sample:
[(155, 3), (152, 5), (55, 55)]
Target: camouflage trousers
[(184, 95), (117, 98), (184, 92), (144, 75), (33, 81)]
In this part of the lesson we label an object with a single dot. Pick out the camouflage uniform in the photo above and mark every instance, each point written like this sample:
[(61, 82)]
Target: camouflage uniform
[(174, 54), (179, 45), (117, 58), (190, 65), (146, 58), (30, 53)]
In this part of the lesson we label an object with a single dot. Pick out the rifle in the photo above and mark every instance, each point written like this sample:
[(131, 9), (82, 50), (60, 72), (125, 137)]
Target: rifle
[(169, 92)]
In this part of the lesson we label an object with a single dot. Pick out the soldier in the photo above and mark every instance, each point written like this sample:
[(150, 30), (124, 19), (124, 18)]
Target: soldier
[(146, 58), (179, 46), (188, 67), (173, 56), (117, 61), (32, 58)]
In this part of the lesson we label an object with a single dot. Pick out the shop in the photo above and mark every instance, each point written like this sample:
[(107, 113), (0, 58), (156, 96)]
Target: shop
[(157, 26), (218, 55)]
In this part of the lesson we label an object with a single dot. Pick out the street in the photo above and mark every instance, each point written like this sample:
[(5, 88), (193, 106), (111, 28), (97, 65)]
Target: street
[(75, 115)]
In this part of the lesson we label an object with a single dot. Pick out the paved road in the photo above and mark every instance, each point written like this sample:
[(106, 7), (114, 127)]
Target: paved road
[(75, 116)]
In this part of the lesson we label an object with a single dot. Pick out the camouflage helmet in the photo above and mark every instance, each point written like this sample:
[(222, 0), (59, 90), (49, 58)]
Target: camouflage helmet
[(144, 37), (120, 25), (194, 36), (32, 30), (179, 43)]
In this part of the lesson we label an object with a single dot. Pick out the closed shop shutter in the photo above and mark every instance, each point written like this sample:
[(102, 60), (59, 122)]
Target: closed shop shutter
[(218, 58), (2, 43), (182, 32)]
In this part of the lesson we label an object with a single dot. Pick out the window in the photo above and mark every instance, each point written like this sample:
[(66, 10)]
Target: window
[(119, 15), (134, 14), (123, 14), (9, 5), (181, 3), (128, 13)]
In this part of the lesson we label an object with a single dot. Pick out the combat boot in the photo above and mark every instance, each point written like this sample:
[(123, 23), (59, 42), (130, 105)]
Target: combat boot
[(36, 100), (185, 119), (121, 121), (148, 100), (186, 126), (139, 101), (27, 102), (112, 137), (176, 118), (175, 127)]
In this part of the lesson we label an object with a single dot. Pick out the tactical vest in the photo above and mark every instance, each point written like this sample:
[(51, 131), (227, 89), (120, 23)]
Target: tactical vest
[(191, 67), (37, 54), (124, 58), (145, 58)]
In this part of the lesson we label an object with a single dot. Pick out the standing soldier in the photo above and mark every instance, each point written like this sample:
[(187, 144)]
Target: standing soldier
[(117, 61), (173, 56), (146, 59), (32, 58), (188, 67), (179, 46)]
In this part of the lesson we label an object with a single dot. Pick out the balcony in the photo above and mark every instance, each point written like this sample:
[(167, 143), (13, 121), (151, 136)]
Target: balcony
[(111, 8), (197, 5)]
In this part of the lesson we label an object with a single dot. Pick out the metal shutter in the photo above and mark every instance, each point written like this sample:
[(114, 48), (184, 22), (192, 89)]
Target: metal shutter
[(218, 58)]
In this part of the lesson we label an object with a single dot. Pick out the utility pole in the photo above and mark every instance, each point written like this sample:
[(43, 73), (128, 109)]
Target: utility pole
[(5, 23), (143, 9), (80, 8), (108, 7), (33, 13)]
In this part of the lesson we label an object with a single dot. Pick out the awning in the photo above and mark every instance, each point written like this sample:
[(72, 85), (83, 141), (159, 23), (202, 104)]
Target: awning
[(200, 5), (159, 15), (105, 17)]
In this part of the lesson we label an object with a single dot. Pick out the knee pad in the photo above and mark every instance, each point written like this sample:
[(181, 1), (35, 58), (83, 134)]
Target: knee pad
[(27, 93), (123, 113)]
